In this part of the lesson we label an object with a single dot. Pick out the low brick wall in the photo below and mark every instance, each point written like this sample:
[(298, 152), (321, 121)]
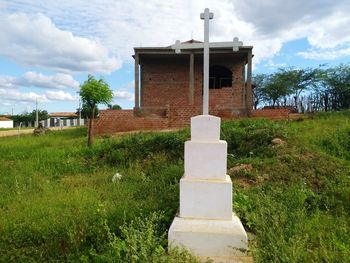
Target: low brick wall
[(112, 121), (274, 114)]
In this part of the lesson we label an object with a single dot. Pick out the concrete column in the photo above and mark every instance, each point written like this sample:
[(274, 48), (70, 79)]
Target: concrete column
[(249, 97), (244, 99), (140, 84), (137, 87), (191, 86)]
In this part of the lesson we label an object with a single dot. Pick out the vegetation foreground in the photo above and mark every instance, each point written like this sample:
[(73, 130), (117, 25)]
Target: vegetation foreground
[(58, 201)]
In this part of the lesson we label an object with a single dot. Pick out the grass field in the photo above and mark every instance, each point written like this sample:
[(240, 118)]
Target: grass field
[(58, 201)]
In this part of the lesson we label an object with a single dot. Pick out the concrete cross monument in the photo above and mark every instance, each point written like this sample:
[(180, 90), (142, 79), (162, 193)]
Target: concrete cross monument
[(206, 224)]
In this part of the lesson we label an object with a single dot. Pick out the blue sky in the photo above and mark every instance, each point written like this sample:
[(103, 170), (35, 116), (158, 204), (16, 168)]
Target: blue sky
[(49, 47)]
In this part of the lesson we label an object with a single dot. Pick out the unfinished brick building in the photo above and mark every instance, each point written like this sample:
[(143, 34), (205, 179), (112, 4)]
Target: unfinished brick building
[(169, 88)]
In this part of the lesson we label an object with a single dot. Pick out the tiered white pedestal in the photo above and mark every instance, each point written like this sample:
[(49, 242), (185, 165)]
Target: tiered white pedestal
[(206, 225)]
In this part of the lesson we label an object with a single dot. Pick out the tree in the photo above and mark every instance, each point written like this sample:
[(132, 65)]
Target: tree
[(30, 117), (338, 81), (296, 80), (42, 114), (86, 111), (275, 88), (94, 92), (114, 107), (332, 88), (259, 82)]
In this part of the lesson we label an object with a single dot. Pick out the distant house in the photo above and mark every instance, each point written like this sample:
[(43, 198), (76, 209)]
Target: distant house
[(6, 122)]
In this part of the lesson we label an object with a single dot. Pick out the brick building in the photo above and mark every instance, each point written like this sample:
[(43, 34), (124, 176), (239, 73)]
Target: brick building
[(169, 88)]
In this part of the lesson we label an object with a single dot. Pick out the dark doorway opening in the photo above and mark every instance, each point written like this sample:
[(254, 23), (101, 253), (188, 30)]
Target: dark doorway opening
[(219, 77)]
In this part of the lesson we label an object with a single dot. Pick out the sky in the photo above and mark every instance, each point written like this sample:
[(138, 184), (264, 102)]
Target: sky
[(48, 47)]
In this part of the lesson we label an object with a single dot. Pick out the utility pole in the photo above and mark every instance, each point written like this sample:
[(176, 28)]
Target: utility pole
[(37, 114), (79, 112)]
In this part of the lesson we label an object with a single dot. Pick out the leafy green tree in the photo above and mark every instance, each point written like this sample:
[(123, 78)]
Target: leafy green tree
[(30, 117), (86, 111), (259, 81), (42, 115), (93, 92), (296, 81), (331, 88), (275, 88), (338, 81), (114, 107)]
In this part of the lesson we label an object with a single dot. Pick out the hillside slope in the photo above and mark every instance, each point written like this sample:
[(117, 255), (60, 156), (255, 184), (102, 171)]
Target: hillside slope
[(58, 201)]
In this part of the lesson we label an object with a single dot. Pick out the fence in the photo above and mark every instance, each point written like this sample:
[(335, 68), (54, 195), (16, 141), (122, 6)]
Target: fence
[(53, 122)]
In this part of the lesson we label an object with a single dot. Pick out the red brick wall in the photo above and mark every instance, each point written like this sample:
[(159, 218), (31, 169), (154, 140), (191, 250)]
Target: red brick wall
[(112, 121), (165, 83), (165, 92), (276, 114)]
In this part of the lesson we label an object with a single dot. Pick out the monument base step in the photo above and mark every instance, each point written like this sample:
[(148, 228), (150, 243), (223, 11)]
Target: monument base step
[(219, 240)]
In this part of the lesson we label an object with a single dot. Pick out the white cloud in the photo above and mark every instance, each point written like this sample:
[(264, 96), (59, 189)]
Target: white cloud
[(122, 25), (7, 82), (124, 95), (57, 81), (18, 96), (37, 42), (273, 65), (32, 79), (14, 95), (5, 103), (325, 54), (323, 22), (61, 95)]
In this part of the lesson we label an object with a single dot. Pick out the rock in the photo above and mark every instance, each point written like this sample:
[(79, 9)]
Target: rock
[(277, 141), (116, 177), (39, 131)]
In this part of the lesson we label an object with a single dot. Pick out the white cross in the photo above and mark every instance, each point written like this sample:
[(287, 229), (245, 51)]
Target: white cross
[(177, 46), (206, 16), (236, 44)]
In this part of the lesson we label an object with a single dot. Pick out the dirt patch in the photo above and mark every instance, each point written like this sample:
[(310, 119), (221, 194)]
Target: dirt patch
[(239, 169), (15, 132)]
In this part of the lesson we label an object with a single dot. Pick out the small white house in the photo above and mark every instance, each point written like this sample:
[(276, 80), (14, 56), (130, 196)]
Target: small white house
[(6, 122)]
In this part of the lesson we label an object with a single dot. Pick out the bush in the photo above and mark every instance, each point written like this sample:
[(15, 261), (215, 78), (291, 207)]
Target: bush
[(144, 239), (251, 136), (138, 147)]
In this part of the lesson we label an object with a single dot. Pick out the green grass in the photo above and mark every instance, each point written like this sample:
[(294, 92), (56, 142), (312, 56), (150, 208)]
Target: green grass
[(58, 202)]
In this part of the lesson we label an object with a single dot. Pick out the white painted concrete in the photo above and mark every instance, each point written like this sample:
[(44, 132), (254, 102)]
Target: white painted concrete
[(206, 198), (6, 124), (205, 128), (206, 16), (206, 160), (235, 44), (206, 225), (210, 238)]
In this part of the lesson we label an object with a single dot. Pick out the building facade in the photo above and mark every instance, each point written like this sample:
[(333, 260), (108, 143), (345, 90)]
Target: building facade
[(164, 79), (169, 88)]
